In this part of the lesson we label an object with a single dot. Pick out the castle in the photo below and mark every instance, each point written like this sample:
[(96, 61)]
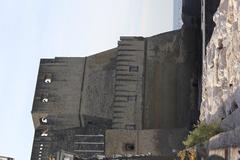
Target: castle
[(137, 100)]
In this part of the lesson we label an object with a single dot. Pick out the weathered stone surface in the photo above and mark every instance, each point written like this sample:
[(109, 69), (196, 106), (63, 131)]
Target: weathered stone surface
[(128, 90), (98, 88), (221, 64), (225, 139), (171, 87), (63, 93), (232, 121), (159, 142)]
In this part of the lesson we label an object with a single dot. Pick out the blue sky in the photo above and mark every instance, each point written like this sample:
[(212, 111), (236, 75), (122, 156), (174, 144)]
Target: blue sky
[(34, 29)]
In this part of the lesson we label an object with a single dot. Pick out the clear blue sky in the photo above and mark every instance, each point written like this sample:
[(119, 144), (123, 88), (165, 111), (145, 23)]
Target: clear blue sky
[(34, 29)]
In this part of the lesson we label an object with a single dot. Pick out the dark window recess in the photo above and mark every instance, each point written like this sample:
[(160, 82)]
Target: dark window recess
[(132, 98), (130, 126), (133, 68), (90, 123), (129, 147)]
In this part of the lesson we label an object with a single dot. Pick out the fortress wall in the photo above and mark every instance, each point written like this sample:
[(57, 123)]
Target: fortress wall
[(171, 80), (63, 93), (98, 88), (156, 142), (128, 95)]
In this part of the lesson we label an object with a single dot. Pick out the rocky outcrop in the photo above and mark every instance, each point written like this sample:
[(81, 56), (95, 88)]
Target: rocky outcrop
[(221, 65)]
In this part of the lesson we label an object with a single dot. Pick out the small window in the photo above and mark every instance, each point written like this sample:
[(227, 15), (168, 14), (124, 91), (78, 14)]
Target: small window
[(45, 100), (48, 80), (133, 68), (43, 120), (44, 133), (129, 147), (47, 77)]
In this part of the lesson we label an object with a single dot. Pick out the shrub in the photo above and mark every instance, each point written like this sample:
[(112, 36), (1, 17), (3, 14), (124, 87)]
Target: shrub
[(187, 155), (201, 133)]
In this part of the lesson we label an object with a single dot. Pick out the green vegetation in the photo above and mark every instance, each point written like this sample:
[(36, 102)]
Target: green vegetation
[(202, 133)]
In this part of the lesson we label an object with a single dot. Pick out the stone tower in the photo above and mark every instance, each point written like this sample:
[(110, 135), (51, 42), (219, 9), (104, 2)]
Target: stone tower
[(147, 87), (137, 86)]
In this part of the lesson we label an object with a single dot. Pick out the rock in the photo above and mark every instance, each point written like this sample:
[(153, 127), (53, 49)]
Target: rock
[(221, 65)]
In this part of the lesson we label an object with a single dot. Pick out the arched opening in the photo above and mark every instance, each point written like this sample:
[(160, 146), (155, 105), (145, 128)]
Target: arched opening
[(48, 80), (43, 120), (44, 100)]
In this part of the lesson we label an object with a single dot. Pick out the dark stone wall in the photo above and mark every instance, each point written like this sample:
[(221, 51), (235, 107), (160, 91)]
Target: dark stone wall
[(171, 86), (128, 89), (98, 88), (63, 93)]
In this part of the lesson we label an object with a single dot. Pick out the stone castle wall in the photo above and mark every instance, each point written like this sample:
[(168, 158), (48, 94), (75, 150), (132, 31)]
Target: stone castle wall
[(59, 100)]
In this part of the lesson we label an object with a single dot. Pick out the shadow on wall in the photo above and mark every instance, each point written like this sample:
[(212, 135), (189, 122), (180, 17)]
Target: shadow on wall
[(215, 157), (211, 7)]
